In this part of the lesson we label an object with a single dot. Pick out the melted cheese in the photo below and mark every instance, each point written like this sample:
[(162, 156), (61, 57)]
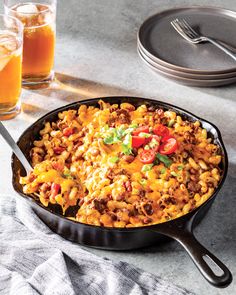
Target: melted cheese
[(54, 176), (133, 167)]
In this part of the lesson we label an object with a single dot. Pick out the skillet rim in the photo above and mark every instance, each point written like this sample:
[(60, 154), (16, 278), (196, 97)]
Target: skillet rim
[(163, 104)]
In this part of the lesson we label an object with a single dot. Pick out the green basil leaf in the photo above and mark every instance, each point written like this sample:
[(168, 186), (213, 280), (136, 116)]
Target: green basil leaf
[(174, 174), (126, 151), (114, 159), (180, 167), (120, 132), (171, 123), (164, 159), (112, 135), (127, 145), (133, 126), (163, 170), (67, 174), (147, 167), (143, 181), (104, 128), (128, 140), (109, 139), (130, 129)]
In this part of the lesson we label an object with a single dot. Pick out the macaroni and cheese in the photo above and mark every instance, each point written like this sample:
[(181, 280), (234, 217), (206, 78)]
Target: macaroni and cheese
[(123, 166)]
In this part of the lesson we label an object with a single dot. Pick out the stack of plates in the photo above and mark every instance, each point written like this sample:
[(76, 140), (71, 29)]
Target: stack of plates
[(167, 53)]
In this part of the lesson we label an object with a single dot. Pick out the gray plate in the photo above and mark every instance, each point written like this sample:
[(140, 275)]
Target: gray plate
[(184, 74), (164, 45), (190, 82)]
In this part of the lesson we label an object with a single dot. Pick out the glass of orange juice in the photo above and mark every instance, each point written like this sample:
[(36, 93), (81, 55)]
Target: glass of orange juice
[(39, 20), (11, 38)]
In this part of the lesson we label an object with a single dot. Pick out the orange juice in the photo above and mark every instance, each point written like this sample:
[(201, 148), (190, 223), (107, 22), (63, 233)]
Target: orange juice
[(10, 72), (39, 39)]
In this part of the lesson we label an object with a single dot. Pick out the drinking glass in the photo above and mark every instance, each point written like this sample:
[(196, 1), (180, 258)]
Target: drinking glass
[(39, 20), (11, 38)]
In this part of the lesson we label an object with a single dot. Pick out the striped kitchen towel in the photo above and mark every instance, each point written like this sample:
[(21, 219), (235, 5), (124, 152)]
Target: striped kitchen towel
[(34, 260)]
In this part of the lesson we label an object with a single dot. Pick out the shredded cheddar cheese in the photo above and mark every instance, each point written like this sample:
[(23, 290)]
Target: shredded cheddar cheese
[(95, 159)]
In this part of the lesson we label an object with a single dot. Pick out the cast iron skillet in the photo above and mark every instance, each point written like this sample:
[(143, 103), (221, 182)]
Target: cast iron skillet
[(180, 229)]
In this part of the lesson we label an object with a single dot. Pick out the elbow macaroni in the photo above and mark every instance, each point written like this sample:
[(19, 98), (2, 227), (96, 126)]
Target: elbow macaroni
[(74, 167)]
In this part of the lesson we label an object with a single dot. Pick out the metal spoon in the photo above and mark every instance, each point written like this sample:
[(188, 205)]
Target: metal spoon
[(17, 151)]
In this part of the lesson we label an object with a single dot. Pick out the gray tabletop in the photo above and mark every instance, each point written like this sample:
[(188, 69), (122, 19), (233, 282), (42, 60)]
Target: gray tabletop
[(96, 56)]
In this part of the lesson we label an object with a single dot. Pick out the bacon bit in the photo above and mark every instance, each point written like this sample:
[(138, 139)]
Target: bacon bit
[(160, 112), (120, 197), (147, 220), (81, 202), (123, 116), (189, 138), (193, 171), (58, 150), (55, 190), (135, 152), (111, 122), (142, 193), (113, 108), (68, 131), (194, 187), (151, 109), (94, 151), (58, 166), (31, 177), (81, 133), (79, 143), (128, 186), (61, 125), (45, 187), (128, 158), (111, 174)]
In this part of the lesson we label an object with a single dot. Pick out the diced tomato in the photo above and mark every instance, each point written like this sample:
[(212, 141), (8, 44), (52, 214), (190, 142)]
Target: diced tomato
[(57, 166), (137, 141), (143, 129), (147, 156), (55, 188), (58, 150), (168, 146), (68, 131), (161, 130)]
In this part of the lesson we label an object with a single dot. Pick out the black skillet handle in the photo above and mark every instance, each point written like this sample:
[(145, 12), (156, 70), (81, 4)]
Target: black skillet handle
[(209, 265), (212, 269)]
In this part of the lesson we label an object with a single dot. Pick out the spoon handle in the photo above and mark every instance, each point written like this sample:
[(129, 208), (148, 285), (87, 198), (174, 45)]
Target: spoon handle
[(17, 151)]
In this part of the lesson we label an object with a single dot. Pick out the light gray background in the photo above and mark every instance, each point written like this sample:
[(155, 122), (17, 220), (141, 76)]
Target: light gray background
[(96, 56)]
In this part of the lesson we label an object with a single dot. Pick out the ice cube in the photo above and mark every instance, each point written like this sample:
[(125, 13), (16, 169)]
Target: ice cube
[(3, 50), (4, 59), (48, 18), (8, 43), (27, 9)]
